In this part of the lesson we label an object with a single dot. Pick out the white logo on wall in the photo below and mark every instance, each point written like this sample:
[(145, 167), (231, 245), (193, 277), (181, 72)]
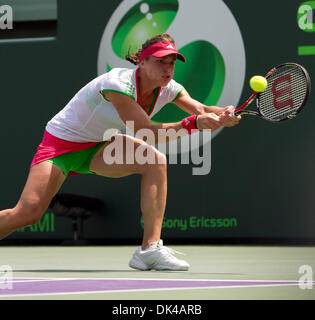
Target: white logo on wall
[(209, 21)]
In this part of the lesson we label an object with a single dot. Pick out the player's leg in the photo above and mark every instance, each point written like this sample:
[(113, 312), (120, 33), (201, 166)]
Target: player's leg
[(153, 184), (44, 180), (152, 254)]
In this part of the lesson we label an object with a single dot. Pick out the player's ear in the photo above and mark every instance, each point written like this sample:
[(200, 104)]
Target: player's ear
[(142, 63)]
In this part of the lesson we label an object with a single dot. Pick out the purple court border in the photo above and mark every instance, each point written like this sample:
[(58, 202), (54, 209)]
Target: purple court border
[(49, 286)]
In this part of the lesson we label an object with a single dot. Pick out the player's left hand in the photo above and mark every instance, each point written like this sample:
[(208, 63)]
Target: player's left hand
[(227, 117)]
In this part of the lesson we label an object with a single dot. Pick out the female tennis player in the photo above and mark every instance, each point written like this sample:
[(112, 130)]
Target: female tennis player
[(73, 143)]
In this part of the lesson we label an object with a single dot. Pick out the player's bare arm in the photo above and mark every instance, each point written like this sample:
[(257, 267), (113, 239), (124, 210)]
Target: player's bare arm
[(192, 106), (129, 110)]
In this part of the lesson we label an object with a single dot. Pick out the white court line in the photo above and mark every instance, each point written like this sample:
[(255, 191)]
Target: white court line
[(264, 284), (151, 279)]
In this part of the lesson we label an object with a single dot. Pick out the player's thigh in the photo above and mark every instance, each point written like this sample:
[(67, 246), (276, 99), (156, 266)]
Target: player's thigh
[(43, 182), (125, 155)]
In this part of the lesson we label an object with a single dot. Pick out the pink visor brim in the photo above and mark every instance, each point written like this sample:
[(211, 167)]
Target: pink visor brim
[(161, 49), (164, 53)]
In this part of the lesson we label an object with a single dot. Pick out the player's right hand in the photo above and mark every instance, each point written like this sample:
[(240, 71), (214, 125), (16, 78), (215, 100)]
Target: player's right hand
[(228, 119)]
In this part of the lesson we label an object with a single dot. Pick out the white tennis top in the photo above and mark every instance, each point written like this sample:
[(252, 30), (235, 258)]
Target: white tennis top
[(89, 115)]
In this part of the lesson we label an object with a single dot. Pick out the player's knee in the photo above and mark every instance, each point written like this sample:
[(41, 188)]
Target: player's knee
[(157, 160), (29, 213), (32, 218)]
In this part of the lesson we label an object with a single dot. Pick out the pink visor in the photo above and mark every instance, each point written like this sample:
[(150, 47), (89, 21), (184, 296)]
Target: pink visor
[(161, 49)]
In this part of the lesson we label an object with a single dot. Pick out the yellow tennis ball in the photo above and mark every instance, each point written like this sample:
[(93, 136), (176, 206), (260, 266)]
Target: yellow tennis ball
[(258, 83)]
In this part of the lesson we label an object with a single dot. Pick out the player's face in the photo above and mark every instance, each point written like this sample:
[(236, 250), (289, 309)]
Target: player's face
[(160, 70)]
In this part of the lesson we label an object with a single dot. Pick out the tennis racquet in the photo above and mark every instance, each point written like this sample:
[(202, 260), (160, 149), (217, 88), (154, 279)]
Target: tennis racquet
[(285, 96)]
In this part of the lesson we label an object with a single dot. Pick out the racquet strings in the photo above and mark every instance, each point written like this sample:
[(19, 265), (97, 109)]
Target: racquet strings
[(285, 94)]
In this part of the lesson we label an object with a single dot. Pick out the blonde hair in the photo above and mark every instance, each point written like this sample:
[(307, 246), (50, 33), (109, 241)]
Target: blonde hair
[(135, 58)]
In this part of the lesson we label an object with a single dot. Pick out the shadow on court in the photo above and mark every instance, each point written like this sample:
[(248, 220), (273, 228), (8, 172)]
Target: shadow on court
[(71, 271), (126, 270)]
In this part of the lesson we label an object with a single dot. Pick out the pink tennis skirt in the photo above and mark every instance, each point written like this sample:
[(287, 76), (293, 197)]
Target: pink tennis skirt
[(51, 147)]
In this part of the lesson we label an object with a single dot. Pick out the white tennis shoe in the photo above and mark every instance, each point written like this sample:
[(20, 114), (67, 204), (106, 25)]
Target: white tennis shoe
[(157, 257)]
